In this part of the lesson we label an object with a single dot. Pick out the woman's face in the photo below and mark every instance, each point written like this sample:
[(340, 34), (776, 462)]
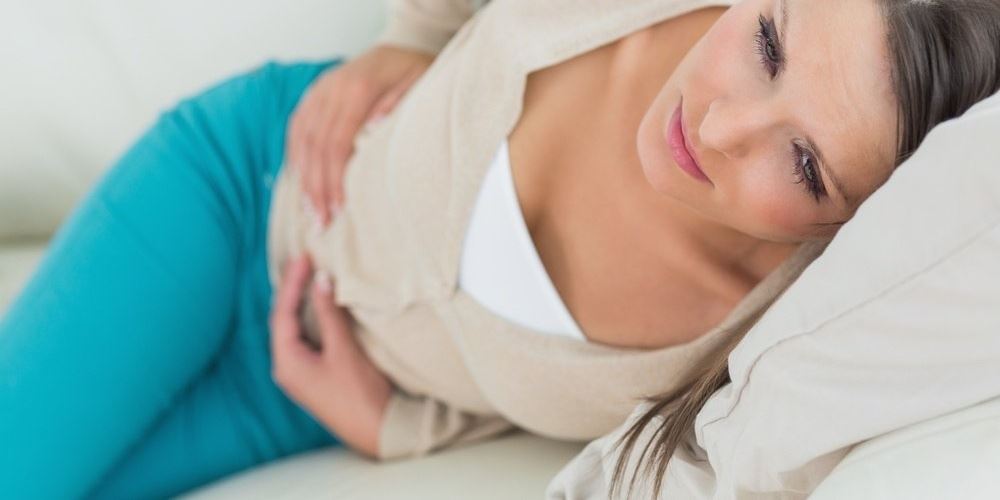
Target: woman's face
[(777, 100)]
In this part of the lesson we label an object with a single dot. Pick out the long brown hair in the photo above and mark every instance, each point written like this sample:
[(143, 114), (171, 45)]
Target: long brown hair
[(945, 57)]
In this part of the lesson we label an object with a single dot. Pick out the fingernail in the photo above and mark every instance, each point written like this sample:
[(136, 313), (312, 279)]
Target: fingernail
[(316, 227), (377, 118), (335, 208), (307, 207), (322, 281)]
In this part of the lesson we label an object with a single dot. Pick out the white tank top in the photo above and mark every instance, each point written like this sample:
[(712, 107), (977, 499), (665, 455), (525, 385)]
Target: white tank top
[(500, 266)]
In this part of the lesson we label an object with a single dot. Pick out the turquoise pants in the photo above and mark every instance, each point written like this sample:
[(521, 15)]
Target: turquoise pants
[(135, 363)]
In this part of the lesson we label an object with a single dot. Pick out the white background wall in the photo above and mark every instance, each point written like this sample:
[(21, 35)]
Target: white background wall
[(80, 79)]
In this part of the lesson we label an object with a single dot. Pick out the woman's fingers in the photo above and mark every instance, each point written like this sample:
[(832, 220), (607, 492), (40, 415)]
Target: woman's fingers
[(303, 117), (357, 99), (285, 326), (332, 320), (320, 190), (390, 99), (314, 181), (329, 131), (289, 294), (306, 136)]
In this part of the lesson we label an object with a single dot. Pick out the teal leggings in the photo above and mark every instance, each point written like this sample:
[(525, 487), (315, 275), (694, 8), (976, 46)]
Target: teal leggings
[(135, 363)]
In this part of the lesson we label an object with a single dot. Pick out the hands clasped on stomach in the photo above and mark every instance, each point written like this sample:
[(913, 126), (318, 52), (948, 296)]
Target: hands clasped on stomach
[(338, 384)]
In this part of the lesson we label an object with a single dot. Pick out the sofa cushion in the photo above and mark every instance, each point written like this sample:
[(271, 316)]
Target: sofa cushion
[(953, 456), (517, 466), (82, 79), (18, 261)]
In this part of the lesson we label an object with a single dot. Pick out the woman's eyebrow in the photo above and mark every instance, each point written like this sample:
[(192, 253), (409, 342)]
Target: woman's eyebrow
[(823, 165), (783, 25)]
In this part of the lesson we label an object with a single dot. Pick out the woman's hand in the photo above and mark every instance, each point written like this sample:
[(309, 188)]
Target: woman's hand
[(321, 133), (338, 385)]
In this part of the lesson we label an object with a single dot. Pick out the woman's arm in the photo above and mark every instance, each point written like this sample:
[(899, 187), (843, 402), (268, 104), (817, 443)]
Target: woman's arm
[(323, 128), (415, 426), (345, 391)]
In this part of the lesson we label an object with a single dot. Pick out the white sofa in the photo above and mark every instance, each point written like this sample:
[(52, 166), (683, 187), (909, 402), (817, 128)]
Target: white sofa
[(85, 77)]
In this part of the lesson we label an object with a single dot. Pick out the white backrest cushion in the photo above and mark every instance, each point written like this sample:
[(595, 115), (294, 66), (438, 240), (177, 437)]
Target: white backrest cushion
[(897, 322), (82, 78), (952, 456)]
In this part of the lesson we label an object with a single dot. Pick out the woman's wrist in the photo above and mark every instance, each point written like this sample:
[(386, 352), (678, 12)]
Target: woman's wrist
[(359, 412), (379, 392)]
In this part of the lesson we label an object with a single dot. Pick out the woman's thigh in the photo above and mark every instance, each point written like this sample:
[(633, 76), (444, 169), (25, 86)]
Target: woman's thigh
[(232, 418), (155, 284)]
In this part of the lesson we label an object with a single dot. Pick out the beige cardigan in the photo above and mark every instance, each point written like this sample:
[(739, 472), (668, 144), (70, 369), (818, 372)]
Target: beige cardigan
[(463, 373)]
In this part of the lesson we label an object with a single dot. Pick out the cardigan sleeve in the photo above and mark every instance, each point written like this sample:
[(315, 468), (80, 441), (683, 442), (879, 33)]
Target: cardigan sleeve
[(415, 426), (426, 25)]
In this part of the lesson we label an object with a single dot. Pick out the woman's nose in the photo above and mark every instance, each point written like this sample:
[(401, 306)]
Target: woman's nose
[(731, 127)]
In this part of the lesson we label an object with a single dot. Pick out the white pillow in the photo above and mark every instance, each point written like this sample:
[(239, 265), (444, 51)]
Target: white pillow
[(896, 323), (82, 79), (954, 456)]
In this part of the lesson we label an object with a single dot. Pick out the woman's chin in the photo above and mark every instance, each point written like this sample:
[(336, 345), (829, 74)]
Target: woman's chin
[(668, 183), (659, 176)]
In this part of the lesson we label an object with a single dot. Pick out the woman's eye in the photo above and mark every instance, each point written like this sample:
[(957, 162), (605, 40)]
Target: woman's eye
[(806, 172), (768, 46), (771, 51)]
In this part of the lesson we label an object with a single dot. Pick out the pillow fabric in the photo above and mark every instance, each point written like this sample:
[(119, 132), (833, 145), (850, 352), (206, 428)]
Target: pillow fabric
[(954, 456), (896, 323), (82, 79)]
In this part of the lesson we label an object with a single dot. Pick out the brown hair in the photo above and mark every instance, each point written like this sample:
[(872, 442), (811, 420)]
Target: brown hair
[(945, 56)]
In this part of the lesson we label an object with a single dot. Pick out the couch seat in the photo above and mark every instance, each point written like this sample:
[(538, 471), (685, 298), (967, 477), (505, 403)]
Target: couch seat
[(18, 260), (518, 466)]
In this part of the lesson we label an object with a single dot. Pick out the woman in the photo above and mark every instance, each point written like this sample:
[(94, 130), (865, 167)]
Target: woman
[(694, 160)]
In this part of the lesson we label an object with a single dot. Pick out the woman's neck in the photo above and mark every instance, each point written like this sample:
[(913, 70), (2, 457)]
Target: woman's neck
[(706, 242)]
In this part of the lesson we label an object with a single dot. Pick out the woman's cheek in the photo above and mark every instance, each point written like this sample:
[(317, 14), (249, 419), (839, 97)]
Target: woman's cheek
[(777, 214)]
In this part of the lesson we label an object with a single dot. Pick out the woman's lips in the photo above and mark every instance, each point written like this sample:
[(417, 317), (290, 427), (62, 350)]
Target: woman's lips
[(680, 147)]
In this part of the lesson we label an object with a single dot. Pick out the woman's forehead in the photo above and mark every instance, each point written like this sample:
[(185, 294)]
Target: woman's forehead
[(837, 62)]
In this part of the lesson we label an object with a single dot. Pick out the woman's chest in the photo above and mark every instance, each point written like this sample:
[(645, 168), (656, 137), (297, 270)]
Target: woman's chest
[(591, 214)]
